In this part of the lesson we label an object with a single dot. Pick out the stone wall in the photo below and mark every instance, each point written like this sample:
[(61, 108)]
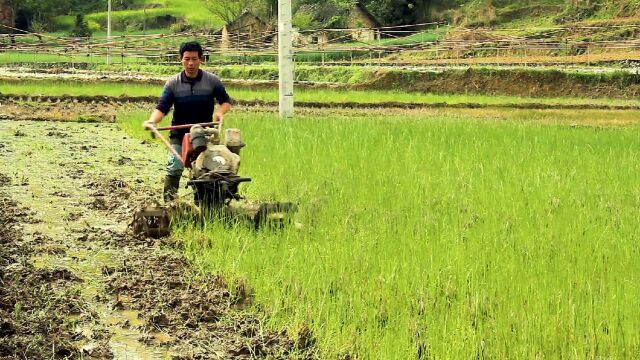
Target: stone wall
[(5, 15)]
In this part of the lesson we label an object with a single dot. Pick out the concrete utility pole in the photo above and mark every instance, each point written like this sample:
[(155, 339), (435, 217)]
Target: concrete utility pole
[(285, 58), (108, 32)]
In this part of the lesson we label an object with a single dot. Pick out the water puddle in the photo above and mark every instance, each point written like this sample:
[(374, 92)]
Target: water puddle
[(129, 340)]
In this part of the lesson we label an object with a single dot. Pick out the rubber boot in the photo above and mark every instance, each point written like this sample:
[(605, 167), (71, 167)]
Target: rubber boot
[(171, 186)]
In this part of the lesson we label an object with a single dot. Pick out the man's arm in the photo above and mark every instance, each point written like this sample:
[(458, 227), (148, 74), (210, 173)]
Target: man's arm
[(164, 106), (222, 109), (155, 118), (223, 99)]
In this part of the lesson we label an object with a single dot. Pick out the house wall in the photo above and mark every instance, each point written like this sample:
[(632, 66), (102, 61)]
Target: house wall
[(323, 38), (362, 23), (365, 35), (248, 27), (246, 31), (224, 44)]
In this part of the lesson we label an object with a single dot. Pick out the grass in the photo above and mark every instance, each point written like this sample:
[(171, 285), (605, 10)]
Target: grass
[(74, 88), (194, 12), (131, 123), (429, 35), (429, 236), (189, 11), (13, 58)]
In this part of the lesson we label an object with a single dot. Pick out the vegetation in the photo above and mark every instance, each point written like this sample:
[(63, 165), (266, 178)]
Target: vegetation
[(80, 60), (439, 233), (359, 75), (74, 88), (432, 236), (137, 15), (81, 28)]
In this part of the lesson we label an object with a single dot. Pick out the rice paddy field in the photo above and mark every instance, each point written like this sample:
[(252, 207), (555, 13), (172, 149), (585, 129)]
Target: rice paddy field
[(432, 234), (247, 93), (428, 233)]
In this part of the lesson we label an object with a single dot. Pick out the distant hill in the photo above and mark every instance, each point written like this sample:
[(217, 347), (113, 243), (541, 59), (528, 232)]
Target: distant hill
[(521, 13), (176, 15)]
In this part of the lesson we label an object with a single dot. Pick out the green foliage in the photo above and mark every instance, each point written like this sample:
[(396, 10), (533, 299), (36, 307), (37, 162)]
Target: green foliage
[(43, 12), (37, 26), (133, 20), (64, 22), (229, 10), (395, 12), (79, 61), (248, 93), (81, 28), (577, 10), (304, 20), (136, 15)]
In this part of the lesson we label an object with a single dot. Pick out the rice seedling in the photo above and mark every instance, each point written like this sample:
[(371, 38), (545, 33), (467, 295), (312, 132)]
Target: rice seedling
[(427, 237)]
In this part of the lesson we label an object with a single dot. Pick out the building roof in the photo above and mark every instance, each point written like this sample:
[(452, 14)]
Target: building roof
[(365, 15)]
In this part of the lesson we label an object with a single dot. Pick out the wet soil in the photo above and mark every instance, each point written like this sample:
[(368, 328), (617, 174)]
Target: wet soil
[(41, 309), (57, 109), (76, 283)]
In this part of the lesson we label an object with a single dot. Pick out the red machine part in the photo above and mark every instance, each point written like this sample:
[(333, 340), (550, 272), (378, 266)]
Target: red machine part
[(187, 150)]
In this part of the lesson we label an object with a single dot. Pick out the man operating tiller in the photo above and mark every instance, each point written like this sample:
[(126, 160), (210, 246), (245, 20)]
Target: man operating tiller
[(192, 93)]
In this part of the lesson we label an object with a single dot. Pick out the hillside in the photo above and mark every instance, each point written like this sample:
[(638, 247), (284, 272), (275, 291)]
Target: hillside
[(161, 14), (542, 12), (167, 15)]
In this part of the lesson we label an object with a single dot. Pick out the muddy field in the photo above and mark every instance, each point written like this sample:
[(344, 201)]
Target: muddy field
[(75, 283)]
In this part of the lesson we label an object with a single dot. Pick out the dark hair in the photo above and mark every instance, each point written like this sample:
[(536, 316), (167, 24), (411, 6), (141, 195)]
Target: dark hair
[(191, 46)]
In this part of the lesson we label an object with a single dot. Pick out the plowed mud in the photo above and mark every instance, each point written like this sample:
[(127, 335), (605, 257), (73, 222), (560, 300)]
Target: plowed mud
[(75, 283)]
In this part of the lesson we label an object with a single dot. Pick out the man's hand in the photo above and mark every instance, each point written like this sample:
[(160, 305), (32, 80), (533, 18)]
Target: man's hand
[(148, 125), (154, 119), (218, 117)]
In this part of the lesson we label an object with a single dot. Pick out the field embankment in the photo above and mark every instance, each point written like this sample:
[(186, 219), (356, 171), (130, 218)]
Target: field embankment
[(527, 82)]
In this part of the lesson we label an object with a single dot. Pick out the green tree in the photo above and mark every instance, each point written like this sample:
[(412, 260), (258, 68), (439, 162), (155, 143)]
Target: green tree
[(40, 13), (81, 28), (228, 10)]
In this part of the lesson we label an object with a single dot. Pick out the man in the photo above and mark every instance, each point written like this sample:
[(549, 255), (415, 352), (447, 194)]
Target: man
[(192, 93)]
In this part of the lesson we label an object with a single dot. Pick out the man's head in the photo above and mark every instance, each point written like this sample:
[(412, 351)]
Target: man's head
[(191, 56)]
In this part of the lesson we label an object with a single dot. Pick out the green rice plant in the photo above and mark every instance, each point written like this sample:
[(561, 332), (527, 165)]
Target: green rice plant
[(74, 88), (131, 123), (153, 69), (426, 236), (85, 60)]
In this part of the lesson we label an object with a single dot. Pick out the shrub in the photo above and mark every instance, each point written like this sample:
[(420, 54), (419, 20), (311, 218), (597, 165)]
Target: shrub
[(81, 29)]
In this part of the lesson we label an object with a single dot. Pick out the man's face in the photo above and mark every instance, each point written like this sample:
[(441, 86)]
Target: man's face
[(191, 63)]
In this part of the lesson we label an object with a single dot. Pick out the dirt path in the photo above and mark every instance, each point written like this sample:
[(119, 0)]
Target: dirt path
[(76, 283)]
